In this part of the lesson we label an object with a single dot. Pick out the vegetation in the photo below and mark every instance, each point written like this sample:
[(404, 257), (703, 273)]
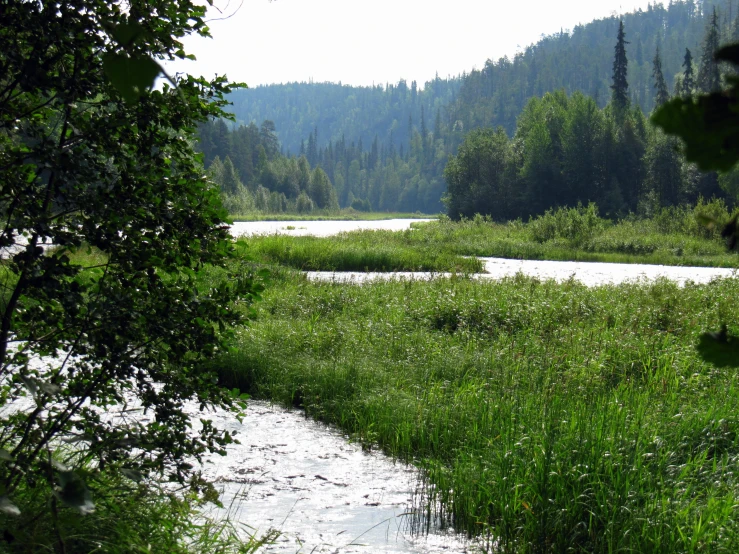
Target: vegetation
[(672, 236), (388, 145), (349, 214), (547, 417), (359, 251), (93, 158)]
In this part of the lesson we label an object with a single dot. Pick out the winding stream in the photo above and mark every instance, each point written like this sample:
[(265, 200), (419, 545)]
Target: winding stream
[(324, 493)]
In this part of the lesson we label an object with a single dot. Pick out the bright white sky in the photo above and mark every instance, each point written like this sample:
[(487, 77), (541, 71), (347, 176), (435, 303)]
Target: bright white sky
[(381, 41)]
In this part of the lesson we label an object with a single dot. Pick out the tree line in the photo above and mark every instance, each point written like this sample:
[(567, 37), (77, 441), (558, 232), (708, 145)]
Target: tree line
[(401, 135), (566, 150)]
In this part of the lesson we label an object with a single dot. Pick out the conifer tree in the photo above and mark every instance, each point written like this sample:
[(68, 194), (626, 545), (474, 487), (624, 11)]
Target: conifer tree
[(688, 74), (709, 76), (661, 94), (620, 87)]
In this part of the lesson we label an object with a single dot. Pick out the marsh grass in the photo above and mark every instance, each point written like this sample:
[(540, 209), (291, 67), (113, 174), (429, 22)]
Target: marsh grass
[(372, 250), (548, 417), (628, 241), (672, 237)]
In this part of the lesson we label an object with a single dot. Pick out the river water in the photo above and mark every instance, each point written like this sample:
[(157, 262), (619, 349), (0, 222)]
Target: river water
[(321, 491), (588, 273)]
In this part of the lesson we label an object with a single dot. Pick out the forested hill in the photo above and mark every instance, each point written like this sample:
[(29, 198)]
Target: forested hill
[(580, 59), (385, 147), (330, 110)]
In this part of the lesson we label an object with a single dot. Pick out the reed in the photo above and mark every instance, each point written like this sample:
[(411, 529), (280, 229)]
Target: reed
[(549, 417)]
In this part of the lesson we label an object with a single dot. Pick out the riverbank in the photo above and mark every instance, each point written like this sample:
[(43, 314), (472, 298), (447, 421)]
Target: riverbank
[(346, 214), (546, 415)]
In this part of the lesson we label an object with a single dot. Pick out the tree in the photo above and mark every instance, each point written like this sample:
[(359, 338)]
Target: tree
[(320, 188), (91, 156), (476, 177), (709, 76), (620, 86), (230, 182), (661, 92), (688, 75)]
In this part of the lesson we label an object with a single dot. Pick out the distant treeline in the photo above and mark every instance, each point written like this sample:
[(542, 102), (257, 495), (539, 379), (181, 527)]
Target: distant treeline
[(386, 147)]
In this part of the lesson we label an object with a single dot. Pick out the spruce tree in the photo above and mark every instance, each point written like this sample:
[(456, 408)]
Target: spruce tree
[(709, 76), (688, 76), (661, 94), (620, 87)]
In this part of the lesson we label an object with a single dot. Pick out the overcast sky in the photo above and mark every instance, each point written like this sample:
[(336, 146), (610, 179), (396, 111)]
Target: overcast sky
[(381, 41)]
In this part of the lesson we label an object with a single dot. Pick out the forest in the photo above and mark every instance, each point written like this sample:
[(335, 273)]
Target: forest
[(385, 148)]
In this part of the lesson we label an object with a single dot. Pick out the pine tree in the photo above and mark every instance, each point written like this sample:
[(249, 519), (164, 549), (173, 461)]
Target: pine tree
[(424, 130), (437, 125), (620, 87), (709, 76), (688, 75), (661, 94)]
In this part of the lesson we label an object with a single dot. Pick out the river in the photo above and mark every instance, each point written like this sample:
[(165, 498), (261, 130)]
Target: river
[(325, 493)]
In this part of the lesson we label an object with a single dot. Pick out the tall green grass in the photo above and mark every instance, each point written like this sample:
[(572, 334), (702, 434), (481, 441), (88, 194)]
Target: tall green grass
[(356, 251), (547, 417), (129, 518)]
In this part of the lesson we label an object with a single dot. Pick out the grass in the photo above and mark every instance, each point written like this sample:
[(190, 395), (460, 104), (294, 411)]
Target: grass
[(356, 251), (548, 417), (324, 215), (630, 241), (129, 518), (447, 246)]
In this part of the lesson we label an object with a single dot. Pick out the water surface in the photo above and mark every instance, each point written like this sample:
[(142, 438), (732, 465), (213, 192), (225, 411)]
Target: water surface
[(323, 492), (317, 228)]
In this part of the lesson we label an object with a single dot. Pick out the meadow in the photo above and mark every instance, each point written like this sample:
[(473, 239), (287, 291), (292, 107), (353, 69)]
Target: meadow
[(548, 417)]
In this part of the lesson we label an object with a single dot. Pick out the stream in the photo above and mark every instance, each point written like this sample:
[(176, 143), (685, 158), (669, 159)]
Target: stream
[(321, 491), (589, 273)]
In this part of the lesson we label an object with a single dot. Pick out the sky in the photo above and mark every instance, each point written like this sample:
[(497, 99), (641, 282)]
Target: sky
[(363, 43)]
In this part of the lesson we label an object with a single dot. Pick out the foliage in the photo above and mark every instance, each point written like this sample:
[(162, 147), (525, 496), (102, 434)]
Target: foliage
[(359, 251), (130, 517), (576, 225), (707, 124), (86, 163)]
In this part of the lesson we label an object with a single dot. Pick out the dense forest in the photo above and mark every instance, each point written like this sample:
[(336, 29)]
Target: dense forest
[(386, 147)]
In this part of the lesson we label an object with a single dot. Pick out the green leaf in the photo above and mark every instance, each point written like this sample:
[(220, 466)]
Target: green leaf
[(126, 33), (74, 492), (709, 127), (130, 75), (6, 456), (719, 349), (706, 220), (8, 508), (729, 53)]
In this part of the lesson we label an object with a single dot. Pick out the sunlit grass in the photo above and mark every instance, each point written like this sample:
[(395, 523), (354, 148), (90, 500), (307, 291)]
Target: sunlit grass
[(357, 251), (551, 417)]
